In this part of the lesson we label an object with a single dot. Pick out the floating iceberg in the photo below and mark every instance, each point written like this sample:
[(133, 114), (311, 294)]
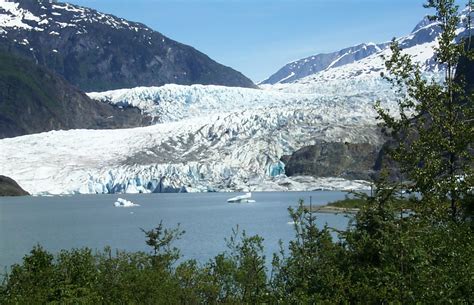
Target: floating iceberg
[(123, 203), (241, 199)]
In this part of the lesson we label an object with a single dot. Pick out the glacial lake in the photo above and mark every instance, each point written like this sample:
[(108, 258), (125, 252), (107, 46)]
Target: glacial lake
[(93, 221)]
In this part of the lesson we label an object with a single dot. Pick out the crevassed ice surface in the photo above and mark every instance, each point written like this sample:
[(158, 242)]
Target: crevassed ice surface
[(207, 138)]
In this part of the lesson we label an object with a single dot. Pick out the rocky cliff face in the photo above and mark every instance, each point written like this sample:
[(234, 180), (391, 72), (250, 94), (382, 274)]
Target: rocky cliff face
[(98, 52), (8, 187), (330, 159), (34, 99)]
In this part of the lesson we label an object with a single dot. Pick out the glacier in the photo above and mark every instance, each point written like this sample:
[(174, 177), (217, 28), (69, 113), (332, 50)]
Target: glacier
[(205, 138)]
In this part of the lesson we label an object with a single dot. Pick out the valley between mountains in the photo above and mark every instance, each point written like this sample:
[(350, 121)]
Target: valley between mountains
[(160, 116)]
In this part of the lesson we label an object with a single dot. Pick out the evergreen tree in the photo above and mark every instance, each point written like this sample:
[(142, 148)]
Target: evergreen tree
[(435, 126)]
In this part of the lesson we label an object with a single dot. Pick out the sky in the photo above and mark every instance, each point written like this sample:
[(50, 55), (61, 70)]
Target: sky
[(258, 37)]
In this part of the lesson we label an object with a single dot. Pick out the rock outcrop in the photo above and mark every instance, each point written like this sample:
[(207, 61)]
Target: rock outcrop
[(8, 187), (34, 99), (325, 159)]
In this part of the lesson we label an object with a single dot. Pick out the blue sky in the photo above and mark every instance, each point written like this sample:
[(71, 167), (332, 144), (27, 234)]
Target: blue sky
[(257, 37)]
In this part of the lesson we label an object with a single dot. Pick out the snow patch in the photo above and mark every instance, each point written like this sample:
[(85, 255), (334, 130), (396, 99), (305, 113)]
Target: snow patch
[(288, 77), (13, 16)]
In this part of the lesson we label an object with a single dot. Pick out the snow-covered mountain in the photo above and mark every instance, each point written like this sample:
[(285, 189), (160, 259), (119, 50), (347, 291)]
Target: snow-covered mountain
[(316, 63), (420, 44), (365, 72), (234, 144), (97, 51), (364, 59)]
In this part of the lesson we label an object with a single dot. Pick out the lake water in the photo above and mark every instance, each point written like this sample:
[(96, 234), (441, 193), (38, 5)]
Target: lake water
[(93, 221)]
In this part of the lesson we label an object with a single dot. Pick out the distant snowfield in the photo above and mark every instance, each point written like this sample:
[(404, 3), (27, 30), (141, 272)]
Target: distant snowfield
[(362, 77), (208, 138)]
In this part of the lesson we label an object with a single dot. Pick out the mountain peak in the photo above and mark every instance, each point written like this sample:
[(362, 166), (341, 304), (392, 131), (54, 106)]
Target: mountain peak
[(317, 63), (423, 23), (364, 59)]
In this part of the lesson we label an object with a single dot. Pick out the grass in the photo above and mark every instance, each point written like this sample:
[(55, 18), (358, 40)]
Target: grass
[(349, 203), (358, 203)]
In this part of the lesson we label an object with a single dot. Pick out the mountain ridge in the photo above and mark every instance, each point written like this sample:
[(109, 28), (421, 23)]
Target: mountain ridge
[(424, 32), (319, 62), (97, 51), (34, 99)]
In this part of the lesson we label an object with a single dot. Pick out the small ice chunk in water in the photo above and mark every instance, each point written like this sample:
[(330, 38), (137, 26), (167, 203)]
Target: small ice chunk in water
[(123, 203)]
